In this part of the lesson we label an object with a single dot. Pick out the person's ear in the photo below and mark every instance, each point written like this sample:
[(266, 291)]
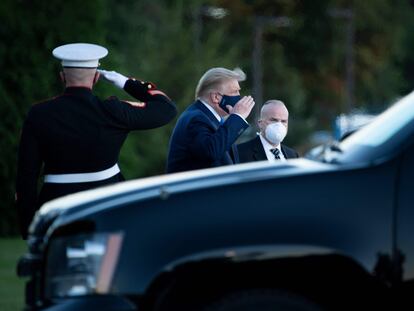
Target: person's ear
[(259, 124), (62, 77), (214, 97)]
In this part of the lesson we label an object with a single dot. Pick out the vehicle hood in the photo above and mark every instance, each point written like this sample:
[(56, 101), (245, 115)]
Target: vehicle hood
[(165, 185)]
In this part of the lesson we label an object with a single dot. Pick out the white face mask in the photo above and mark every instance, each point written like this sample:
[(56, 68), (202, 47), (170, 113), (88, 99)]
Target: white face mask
[(275, 132)]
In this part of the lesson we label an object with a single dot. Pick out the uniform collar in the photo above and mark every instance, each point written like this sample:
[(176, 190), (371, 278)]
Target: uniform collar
[(74, 90)]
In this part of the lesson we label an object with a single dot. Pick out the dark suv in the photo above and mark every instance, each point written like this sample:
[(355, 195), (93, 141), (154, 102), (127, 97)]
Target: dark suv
[(330, 233)]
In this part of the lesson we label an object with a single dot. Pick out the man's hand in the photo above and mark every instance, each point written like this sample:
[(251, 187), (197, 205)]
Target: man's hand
[(243, 107), (114, 77)]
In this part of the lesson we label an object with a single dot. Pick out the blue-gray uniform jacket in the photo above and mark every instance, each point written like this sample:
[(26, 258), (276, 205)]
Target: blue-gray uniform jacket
[(77, 132)]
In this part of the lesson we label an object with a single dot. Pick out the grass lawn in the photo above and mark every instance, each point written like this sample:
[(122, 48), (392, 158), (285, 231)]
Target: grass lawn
[(11, 287)]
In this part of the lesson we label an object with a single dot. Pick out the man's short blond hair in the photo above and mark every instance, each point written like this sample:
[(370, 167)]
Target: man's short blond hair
[(214, 77)]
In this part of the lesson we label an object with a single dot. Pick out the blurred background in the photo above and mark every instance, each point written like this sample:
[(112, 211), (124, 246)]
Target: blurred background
[(324, 58)]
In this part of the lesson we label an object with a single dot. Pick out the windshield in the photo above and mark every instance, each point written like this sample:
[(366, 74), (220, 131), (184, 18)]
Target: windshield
[(383, 127), (380, 138)]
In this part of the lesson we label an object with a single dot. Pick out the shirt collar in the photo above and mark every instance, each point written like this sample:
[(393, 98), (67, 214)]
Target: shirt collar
[(75, 90), (211, 109), (267, 146)]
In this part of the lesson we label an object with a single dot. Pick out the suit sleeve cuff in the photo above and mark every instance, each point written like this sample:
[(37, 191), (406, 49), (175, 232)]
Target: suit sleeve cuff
[(241, 118)]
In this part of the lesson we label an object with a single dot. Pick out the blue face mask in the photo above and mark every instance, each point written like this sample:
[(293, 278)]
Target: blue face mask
[(228, 100)]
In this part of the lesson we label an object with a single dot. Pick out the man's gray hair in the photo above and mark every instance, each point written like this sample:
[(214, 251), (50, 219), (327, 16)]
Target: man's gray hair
[(214, 77), (271, 102)]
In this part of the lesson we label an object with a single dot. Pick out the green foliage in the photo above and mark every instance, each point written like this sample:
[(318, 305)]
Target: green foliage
[(163, 46), (381, 29), (12, 288), (172, 43), (304, 63)]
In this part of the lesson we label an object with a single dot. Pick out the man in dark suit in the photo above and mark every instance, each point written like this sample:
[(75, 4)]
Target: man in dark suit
[(201, 137), (76, 137), (267, 145)]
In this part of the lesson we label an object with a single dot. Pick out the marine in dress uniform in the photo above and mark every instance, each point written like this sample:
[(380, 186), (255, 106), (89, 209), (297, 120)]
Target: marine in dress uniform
[(76, 137)]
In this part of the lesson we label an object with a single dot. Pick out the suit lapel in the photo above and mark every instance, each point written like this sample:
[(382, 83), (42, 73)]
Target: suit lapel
[(286, 152), (228, 157), (210, 116)]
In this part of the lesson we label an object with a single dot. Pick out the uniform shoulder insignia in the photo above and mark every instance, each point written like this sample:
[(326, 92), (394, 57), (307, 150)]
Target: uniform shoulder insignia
[(157, 92), (151, 86), (136, 104)]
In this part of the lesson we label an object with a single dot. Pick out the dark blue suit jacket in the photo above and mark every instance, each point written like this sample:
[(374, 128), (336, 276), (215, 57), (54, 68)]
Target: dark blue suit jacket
[(199, 141)]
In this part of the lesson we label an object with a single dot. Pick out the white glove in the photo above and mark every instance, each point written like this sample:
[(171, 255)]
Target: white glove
[(114, 77)]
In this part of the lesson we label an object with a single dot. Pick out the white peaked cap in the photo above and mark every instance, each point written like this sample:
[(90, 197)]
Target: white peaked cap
[(82, 55)]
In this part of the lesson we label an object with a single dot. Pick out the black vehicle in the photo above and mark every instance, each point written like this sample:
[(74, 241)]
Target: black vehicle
[(331, 233)]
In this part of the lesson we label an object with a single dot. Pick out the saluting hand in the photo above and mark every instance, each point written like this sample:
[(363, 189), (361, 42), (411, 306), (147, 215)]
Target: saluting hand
[(243, 107), (113, 77)]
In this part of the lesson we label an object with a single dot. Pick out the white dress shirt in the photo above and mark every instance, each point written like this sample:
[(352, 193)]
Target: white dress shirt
[(267, 146)]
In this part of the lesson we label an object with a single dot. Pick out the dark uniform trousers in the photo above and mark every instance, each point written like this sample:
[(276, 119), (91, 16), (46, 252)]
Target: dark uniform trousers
[(77, 132)]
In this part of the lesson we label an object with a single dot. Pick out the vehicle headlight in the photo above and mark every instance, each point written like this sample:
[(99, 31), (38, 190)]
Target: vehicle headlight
[(81, 264)]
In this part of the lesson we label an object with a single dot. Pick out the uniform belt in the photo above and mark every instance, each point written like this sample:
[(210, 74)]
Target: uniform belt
[(82, 177)]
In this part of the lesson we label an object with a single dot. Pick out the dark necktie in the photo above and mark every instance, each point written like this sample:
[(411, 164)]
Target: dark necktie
[(276, 153)]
